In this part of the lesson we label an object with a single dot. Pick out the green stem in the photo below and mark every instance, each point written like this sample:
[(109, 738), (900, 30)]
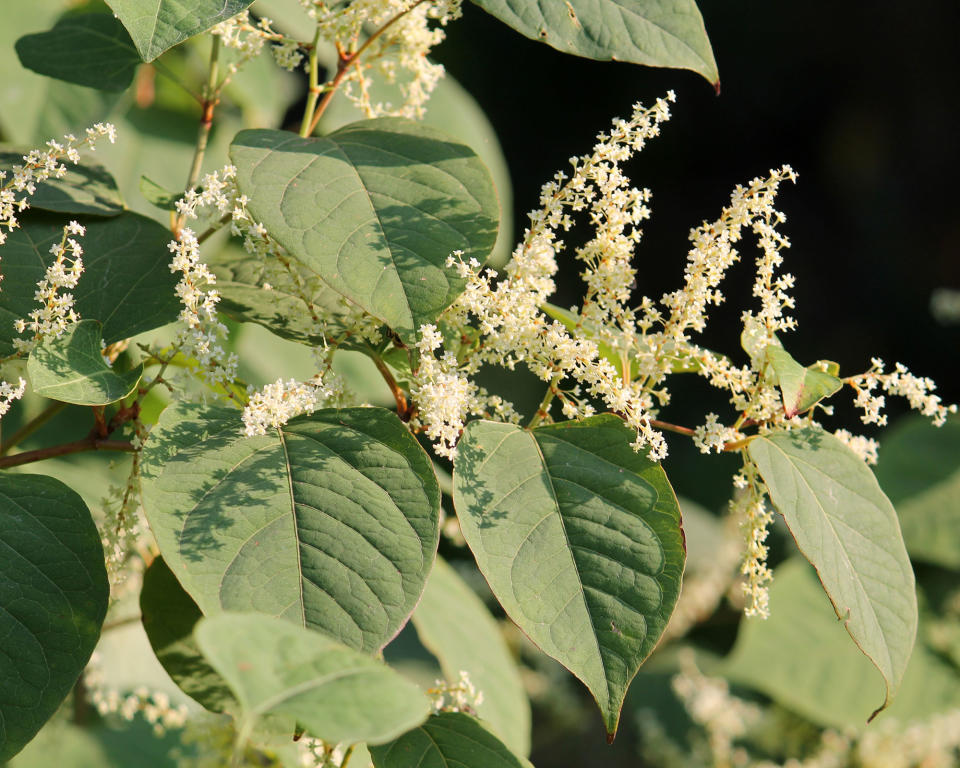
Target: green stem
[(544, 408), (210, 98), (347, 755), (31, 426), (314, 93)]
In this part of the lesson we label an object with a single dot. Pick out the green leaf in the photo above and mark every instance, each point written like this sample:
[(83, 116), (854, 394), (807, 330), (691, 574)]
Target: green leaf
[(53, 597), (801, 387), (447, 739), (919, 468), (336, 693), (126, 282), (664, 33), (845, 526), (802, 658), (454, 111), (91, 49), (66, 745), (72, 370), (682, 362), (455, 625), (87, 188), (374, 209), (580, 540), (158, 196), (169, 616), (156, 25), (339, 526)]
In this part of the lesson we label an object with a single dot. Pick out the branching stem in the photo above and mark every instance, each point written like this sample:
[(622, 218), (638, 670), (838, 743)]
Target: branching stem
[(31, 426)]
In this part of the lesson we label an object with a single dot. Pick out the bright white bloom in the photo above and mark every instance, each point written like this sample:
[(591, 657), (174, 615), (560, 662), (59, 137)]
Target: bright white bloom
[(10, 393), (461, 696), (918, 392), (865, 447), (277, 403), (713, 436), (155, 706)]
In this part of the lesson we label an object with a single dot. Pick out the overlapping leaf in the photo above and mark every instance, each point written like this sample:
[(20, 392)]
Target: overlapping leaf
[(655, 33), (72, 370), (53, 597), (580, 539), (447, 739), (374, 209), (126, 283), (800, 387), (156, 25), (330, 521), (457, 628), (91, 49), (85, 189), (336, 693), (845, 526)]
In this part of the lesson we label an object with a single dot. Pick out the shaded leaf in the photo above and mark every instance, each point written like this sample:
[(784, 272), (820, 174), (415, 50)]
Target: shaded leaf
[(339, 523), (72, 370), (156, 25), (845, 526), (580, 540), (919, 469), (337, 694), (455, 625), (374, 209), (158, 196), (800, 387), (663, 33), (86, 189), (447, 739), (126, 282), (169, 616), (53, 598), (91, 49), (802, 658)]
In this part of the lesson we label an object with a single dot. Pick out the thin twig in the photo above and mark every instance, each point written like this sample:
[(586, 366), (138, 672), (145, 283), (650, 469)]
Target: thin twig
[(31, 426)]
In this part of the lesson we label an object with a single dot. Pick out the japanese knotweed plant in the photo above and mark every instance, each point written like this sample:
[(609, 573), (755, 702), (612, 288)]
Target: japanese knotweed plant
[(278, 538)]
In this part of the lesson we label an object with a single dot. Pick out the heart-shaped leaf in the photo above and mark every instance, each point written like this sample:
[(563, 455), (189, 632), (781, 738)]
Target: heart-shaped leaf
[(126, 282), (72, 370), (169, 617), (338, 694), (800, 387), (580, 540), (455, 625), (447, 739), (156, 25), (845, 526), (655, 33), (85, 189), (53, 597), (330, 521), (91, 49), (375, 209)]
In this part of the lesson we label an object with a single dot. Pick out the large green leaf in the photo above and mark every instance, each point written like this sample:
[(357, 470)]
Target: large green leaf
[(655, 33), (337, 694), (457, 628), (330, 521), (445, 740), (919, 468), (802, 658), (580, 539), (91, 49), (87, 188), (169, 617), (53, 597), (72, 370), (156, 25), (845, 526), (374, 209), (126, 282)]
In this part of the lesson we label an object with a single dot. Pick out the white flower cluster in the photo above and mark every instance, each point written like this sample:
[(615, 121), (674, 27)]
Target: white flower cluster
[(865, 447), (40, 165), (241, 34), (461, 696), (155, 706), (918, 392), (56, 312), (713, 436), (201, 329), (10, 393), (754, 516), (445, 396), (399, 52), (277, 403)]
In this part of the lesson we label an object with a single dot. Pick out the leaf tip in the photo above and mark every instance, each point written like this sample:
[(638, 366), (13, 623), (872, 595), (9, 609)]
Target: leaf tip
[(716, 87)]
